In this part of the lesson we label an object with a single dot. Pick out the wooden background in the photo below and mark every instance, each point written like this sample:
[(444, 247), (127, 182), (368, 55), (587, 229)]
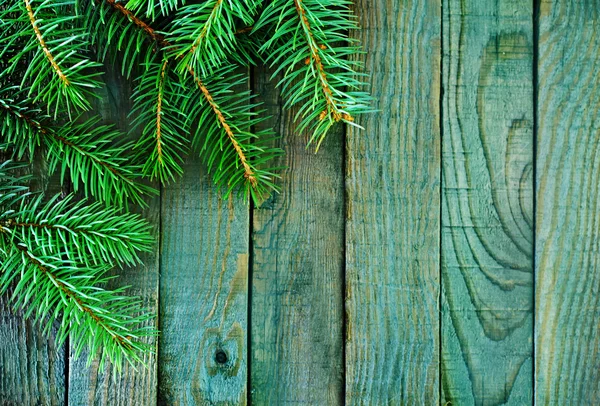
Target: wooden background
[(448, 254)]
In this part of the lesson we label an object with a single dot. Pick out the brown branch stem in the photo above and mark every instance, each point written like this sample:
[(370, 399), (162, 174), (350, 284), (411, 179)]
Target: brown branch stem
[(159, 111), (248, 172), (43, 45), (139, 22)]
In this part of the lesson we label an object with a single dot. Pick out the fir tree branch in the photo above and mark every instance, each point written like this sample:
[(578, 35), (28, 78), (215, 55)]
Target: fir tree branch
[(211, 19), (258, 184), (248, 172), (137, 21), (315, 59), (48, 286), (95, 157), (40, 244), (310, 46), (90, 233), (164, 125), (45, 47), (224, 116), (70, 294)]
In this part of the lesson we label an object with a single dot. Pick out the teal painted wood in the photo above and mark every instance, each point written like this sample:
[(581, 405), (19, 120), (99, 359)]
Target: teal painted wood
[(393, 206), (32, 367), (91, 385), (297, 284), (203, 293), (567, 338), (487, 203)]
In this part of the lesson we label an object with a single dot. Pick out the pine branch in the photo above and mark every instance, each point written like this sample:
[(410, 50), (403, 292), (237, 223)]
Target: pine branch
[(157, 110), (204, 36), (235, 154), (48, 286), (245, 156), (90, 234), (46, 48), (16, 127), (96, 159), (309, 44), (119, 35), (39, 245)]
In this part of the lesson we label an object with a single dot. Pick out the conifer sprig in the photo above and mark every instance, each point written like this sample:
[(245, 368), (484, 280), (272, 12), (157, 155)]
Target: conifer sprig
[(41, 245), (224, 117), (89, 233), (94, 156), (204, 35), (44, 44), (119, 35), (158, 111), (310, 46)]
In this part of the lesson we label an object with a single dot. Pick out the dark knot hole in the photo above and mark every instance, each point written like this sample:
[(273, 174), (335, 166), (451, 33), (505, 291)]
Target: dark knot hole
[(221, 357)]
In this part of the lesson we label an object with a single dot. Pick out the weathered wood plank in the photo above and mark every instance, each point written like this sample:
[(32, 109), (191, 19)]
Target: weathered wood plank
[(32, 368), (91, 385), (393, 210), (297, 262), (487, 202), (567, 338), (203, 293)]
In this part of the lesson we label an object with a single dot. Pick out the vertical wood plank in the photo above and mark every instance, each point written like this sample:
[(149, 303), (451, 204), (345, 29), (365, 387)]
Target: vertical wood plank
[(32, 368), (567, 340), (393, 210), (297, 262), (92, 385), (487, 203), (203, 293)]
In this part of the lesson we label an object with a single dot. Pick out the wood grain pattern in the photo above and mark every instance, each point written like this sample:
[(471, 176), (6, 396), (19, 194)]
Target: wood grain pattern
[(32, 368), (92, 385), (567, 339), (203, 293), (487, 203), (297, 311), (393, 204)]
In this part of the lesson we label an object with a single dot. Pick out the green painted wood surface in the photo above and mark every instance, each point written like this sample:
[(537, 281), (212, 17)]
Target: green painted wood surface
[(393, 205), (31, 366), (203, 293), (297, 269), (487, 203), (567, 332)]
